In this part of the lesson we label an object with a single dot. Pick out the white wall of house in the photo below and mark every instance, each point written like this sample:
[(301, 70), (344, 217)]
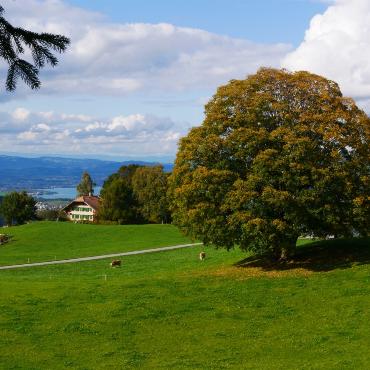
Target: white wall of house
[(82, 212)]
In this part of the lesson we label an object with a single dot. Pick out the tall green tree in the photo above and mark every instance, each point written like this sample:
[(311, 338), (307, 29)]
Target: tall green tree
[(17, 208), (150, 189), (15, 41), (278, 155), (118, 201), (86, 186)]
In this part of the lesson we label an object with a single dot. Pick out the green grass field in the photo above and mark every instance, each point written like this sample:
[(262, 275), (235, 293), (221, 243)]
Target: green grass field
[(45, 241), (171, 311)]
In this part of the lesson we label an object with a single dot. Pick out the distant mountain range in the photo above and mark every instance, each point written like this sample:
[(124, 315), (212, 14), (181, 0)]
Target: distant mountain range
[(48, 172)]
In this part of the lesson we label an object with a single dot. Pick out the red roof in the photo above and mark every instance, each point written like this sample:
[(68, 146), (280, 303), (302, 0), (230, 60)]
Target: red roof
[(90, 200)]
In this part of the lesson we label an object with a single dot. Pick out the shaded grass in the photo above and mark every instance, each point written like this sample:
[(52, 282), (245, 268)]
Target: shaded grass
[(171, 311), (45, 241), (322, 255)]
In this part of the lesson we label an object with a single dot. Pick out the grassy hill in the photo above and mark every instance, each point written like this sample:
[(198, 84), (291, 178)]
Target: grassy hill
[(171, 311), (45, 241)]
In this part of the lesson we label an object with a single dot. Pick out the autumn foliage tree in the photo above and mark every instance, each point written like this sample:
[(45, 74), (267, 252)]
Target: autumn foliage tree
[(278, 155)]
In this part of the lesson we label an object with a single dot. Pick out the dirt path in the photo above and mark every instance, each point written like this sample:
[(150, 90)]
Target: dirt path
[(104, 256)]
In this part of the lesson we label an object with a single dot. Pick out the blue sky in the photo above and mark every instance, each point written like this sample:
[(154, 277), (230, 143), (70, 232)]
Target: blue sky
[(266, 21), (138, 73)]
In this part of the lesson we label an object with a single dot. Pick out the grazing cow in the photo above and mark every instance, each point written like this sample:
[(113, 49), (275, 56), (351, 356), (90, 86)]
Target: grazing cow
[(115, 263), (202, 255), (4, 238)]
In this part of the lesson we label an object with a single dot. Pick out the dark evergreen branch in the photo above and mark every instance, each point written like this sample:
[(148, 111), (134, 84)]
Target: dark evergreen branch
[(14, 40)]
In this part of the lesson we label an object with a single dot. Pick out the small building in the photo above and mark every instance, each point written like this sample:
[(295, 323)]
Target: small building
[(83, 208)]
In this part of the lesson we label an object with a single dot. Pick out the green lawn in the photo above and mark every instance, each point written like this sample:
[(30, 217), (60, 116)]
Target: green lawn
[(171, 311), (45, 241)]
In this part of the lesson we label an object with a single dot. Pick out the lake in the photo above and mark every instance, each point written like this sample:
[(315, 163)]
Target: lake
[(60, 193)]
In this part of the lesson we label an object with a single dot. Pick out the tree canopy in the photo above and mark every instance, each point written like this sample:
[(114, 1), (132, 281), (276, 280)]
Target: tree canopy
[(15, 40), (278, 155), (86, 186), (17, 208), (118, 201), (135, 194), (149, 186)]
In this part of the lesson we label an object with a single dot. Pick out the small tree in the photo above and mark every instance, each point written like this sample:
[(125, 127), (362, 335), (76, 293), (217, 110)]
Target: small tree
[(86, 186), (17, 208), (14, 40), (278, 155)]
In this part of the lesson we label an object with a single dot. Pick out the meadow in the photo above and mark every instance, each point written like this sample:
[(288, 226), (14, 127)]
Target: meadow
[(47, 241), (169, 310)]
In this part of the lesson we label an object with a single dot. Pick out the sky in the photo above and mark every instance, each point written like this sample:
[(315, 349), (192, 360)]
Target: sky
[(138, 73)]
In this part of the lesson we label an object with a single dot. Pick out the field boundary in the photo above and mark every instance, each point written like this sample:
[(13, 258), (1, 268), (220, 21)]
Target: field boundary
[(100, 257)]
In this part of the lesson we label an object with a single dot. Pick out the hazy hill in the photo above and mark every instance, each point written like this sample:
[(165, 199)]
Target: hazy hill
[(45, 172)]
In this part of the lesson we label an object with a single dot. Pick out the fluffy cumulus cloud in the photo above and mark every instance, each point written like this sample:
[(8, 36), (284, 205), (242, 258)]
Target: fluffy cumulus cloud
[(114, 58), (135, 135), (337, 45)]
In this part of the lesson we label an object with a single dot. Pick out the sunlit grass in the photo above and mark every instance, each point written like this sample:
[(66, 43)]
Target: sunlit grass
[(45, 241), (171, 311)]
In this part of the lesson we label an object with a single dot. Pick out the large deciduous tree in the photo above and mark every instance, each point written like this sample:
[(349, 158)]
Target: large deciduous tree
[(278, 155), (17, 208), (14, 41)]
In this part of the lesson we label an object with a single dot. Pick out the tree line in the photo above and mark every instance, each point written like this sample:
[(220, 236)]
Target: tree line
[(134, 194)]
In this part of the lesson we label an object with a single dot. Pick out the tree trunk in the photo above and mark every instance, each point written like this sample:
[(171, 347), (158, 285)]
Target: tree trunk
[(286, 249)]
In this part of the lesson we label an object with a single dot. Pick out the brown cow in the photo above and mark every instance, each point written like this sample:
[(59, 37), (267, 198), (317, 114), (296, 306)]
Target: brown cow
[(202, 255), (115, 263)]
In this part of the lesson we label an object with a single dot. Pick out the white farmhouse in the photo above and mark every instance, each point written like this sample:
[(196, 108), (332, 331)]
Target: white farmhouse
[(83, 208)]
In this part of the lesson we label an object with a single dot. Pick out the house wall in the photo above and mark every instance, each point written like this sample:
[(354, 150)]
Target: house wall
[(81, 212)]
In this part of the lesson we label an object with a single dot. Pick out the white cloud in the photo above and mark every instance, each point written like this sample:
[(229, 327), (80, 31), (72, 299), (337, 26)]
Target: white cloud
[(136, 135), (113, 58), (27, 136), (337, 45), (20, 114)]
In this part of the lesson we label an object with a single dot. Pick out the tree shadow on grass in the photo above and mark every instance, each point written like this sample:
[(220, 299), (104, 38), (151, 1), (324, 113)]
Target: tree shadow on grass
[(325, 255)]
